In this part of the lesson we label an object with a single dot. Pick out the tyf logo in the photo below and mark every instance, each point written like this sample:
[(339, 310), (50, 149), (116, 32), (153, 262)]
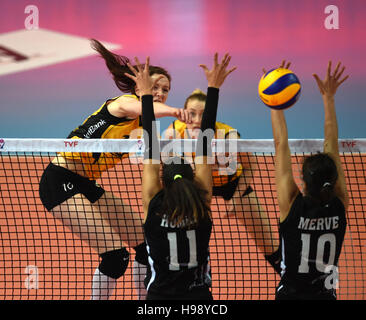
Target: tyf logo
[(2, 143)]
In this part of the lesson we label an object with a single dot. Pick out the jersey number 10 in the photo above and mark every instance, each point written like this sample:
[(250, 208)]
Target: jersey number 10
[(320, 248)]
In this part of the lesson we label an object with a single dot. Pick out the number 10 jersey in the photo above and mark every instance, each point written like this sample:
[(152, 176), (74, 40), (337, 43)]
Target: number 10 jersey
[(311, 242)]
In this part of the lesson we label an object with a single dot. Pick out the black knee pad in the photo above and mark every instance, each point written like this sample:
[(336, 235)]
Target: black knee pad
[(114, 263), (141, 254)]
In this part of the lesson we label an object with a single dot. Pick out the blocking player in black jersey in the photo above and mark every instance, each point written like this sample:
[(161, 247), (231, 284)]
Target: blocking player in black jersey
[(232, 177), (68, 186), (313, 224), (177, 212)]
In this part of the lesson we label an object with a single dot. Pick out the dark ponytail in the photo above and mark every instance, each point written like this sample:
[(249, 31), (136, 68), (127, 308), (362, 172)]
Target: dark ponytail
[(184, 201), (320, 176), (117, 65)]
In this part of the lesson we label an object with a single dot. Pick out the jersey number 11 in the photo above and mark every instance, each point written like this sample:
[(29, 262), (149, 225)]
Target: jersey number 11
[(176, 263)]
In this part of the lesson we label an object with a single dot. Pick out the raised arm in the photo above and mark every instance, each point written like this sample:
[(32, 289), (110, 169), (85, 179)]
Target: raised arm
[(151, 184), (215, 77), (287, 189), (131, 108), (328, 88)]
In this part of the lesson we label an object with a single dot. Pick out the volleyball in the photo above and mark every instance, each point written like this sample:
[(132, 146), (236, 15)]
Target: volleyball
[(279, 88)]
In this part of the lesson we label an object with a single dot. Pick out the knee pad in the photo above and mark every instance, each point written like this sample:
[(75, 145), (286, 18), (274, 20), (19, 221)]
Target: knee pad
[(114, 263), (141, 254)]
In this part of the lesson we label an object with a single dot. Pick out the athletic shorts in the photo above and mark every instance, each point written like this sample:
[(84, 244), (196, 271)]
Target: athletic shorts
[(59, 184), (202, 293), (227, 190), (287, 292)]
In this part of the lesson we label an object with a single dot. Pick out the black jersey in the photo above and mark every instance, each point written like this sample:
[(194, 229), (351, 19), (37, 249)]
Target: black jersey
[(311, 242), (178, 256)]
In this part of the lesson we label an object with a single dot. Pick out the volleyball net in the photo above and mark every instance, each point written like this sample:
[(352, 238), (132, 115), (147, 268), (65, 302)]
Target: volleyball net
[(42, 258)]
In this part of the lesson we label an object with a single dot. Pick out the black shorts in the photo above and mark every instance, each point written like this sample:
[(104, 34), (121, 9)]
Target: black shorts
[(227, 190), (202, 293), (59, 184), (287, 292)]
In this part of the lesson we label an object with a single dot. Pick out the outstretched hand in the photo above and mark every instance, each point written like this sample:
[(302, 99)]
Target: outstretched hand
[(217, 75), (329, 86), (142, 77), (283, 65)]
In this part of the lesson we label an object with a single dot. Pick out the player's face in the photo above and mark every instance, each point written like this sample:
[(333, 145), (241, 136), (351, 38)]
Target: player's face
[(161, 89), (195, 108)]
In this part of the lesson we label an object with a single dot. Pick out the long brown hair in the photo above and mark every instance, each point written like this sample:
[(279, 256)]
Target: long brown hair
[(184, 201), (117, 65)]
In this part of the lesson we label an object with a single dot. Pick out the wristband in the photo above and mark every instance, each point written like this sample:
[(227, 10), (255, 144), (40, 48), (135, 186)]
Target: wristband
[(152, 147)]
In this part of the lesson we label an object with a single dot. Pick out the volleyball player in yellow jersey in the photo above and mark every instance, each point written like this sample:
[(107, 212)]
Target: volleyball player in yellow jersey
[(68, 187), (234, 186)]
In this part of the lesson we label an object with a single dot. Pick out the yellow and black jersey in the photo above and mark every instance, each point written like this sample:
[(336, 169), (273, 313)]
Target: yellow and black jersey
[(222, 131), (102, 125)]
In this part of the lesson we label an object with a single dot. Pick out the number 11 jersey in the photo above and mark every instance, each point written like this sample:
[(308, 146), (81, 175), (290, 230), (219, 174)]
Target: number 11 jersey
[(178, 256)]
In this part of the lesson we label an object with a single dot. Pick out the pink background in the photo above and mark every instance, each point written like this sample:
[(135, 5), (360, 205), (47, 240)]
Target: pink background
[(178, 35)]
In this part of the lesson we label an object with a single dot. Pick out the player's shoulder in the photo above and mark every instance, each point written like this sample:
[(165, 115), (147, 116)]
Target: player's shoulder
[(226, 127), (126, 97), (297, 207), (178, 125)]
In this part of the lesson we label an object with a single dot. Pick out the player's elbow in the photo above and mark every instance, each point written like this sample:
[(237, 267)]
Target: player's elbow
[(129, 108)]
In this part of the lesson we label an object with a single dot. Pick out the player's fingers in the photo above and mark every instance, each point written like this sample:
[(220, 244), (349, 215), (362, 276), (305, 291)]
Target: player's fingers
[(158, 78), (216, 59), (319, 82), (225, 59), (317, 79), (188, 116), (147, 64), (336, 69), (329, 68), (138, 64), (133, 69), (340, 73), (343, 80), (204, 67), (130, 76), (182, 115), (230, 71)]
